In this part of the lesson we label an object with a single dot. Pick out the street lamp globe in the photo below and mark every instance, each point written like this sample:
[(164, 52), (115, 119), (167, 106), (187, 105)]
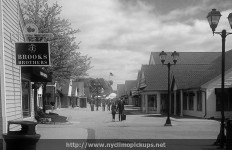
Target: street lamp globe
[(175, 56), (230, 19), (213, 19), (163, 56)]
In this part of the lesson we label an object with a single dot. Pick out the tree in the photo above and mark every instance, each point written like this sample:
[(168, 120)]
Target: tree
[(66, 62), (102, 83)]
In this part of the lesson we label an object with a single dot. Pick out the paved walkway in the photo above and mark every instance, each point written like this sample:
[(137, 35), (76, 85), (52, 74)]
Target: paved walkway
[(95, 125)]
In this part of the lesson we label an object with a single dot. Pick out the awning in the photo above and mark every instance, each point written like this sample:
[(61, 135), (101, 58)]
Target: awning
[(36, 74), (134, 92)]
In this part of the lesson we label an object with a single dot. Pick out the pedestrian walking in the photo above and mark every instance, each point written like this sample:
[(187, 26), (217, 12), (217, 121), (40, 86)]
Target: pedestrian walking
[(72, 103), (113, 111), (108, 105), (92, 105), (120, 109)]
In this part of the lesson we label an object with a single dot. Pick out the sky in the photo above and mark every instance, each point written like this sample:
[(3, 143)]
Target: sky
[(120, 35)]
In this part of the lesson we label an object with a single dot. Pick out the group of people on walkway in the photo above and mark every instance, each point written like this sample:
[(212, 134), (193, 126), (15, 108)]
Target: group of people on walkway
[(117, 106)]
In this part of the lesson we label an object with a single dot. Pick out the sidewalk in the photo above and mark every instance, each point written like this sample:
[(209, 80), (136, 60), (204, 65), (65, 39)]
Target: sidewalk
[(65, 130), (84, 124), (62, 130)]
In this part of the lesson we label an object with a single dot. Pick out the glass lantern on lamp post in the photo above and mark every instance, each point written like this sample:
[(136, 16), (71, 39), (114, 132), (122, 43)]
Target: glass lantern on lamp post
[(175, 57), (213, 19)]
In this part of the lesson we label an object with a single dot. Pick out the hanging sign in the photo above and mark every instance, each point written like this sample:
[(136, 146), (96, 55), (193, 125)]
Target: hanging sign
[(32, 54), (30, 29)]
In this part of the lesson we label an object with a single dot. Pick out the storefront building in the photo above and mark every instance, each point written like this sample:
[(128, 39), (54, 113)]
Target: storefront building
[(195, 86), (17, 97), (129, 85)]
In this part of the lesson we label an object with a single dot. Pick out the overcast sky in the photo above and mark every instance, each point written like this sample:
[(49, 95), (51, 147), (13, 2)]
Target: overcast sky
[(119, 35)]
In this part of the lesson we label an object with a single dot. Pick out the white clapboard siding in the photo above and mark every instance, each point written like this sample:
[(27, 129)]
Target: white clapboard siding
[(12, 81), (1, 119), (1, 47), (11, 84)]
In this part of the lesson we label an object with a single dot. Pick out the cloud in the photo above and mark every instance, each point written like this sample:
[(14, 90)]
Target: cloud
[(120, 34)]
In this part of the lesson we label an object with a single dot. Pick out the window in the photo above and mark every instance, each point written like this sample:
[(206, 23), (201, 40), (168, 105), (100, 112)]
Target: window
[(199, 101), (191, 101), (185, 98), (152, 103), (26, 101), (227, 101)]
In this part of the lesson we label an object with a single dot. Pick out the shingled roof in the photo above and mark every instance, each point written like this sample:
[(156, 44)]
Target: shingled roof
[(191, 76), (187, 75), (216, 64), (129, 85), (201, 76), (155, 77)]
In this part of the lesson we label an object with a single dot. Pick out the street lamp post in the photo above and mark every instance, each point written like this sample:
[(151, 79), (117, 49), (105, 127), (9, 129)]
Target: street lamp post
[(175, 57), (213, 19)]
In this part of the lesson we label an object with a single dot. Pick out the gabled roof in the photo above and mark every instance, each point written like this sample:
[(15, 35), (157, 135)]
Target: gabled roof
[(203, 75), (217, 63), (191, 76), (186, 75), (187, 57), (129, 85), (155, 77)]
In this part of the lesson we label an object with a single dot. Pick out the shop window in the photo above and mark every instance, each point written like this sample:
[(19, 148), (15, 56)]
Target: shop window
[(185, 98), (227, 102), (152, 102), (26, 101), (199, 101), (191, 101)]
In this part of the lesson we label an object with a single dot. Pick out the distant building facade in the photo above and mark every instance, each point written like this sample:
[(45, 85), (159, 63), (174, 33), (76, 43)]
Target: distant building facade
[(195, 85)]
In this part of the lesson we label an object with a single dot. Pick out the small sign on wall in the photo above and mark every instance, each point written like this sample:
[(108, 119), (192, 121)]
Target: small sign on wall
[(32, 54)]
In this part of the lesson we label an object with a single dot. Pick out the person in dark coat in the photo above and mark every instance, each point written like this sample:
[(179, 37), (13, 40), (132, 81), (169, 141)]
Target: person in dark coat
[(113, 111), (120, 109), (108, 105)]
